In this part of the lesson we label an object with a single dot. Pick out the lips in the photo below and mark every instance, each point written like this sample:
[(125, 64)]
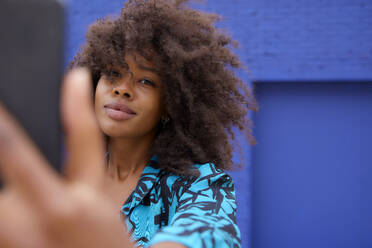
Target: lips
[(119, 111)]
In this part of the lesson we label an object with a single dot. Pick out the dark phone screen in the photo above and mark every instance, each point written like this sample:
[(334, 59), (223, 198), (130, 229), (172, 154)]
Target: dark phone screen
[(31, 66)]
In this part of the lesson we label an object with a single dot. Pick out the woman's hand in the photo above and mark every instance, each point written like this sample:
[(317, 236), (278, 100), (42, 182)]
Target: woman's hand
[(39, 208)]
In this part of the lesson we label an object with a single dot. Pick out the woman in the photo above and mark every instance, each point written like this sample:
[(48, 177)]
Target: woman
[(166, 99)]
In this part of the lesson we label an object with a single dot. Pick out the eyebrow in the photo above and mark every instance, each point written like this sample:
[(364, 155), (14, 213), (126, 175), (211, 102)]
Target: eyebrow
[(147, 68), (144, 67)]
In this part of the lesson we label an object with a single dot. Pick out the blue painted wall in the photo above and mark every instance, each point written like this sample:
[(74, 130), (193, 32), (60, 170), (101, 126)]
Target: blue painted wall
[(312, 166), (295, 41)]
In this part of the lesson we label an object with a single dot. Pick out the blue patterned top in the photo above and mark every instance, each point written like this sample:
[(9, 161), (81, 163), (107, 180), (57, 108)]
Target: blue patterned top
[(193, 211)]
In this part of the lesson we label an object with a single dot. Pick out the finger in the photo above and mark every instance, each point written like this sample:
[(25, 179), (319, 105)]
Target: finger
[(22, 165), (84, 139)]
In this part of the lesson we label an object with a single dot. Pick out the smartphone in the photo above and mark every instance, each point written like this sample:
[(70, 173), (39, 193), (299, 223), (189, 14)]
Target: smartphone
[(31, 68)]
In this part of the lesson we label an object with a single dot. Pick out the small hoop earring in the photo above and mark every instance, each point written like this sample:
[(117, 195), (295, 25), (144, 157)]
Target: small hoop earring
[(165, 120)]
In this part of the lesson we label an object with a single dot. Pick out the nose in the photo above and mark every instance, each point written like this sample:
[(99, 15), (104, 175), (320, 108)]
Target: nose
[(123, 88), (122, 92)]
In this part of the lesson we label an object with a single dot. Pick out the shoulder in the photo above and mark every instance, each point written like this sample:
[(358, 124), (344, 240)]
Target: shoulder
[(211, 186), (211, 177), (210, 173), (205, 175)]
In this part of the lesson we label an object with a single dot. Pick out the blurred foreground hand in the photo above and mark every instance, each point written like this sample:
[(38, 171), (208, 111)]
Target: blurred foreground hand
[(39, 208)]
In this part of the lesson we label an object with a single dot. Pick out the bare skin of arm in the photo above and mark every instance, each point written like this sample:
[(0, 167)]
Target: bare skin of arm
[(49, 210)]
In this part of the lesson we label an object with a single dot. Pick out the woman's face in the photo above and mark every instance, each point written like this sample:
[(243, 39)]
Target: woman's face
[(129, 101)]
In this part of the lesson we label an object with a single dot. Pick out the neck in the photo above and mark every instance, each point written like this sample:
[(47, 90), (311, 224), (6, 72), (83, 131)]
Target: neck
[(128, 156)]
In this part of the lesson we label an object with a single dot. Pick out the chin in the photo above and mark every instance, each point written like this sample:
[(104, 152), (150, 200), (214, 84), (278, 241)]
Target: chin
[(127, 134), (114, 133), (126, 129)]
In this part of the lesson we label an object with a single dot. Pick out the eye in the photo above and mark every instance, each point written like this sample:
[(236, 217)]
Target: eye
[(147, 82)]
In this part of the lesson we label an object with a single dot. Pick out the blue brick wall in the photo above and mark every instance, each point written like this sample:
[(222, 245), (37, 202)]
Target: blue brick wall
[(283, 40), (79, 15), (288, 40)]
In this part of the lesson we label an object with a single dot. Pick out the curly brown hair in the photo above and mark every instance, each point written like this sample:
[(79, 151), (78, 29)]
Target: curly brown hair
[(204, 98)]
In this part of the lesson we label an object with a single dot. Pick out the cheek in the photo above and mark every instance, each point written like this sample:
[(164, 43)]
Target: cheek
[(156, 108)]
